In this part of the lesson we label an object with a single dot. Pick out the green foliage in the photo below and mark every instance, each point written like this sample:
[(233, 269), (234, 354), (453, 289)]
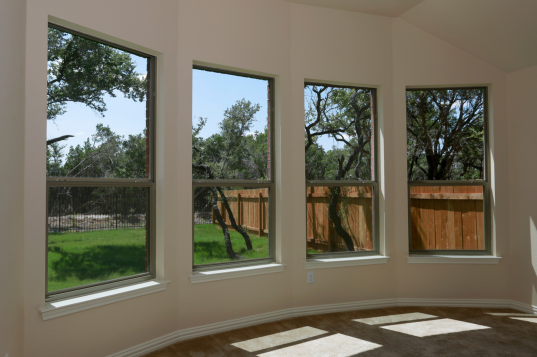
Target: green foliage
[(83, 71), (54, 160), (343, 114), (445, 134), (104, 154), (234, 152), (133, 157)]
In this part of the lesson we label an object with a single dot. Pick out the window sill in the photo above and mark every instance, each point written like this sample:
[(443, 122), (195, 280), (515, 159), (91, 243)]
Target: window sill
[(81, 303), (345, 262), (453, 259), (205, 276)]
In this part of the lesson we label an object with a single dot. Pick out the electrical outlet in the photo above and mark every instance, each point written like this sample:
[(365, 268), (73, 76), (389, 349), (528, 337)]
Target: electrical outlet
[(311, 277)]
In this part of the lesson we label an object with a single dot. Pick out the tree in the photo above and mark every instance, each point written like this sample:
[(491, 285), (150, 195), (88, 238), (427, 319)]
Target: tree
[(54, 159), (99, 157), (230, 154), (83, 71), (345, 115), (133, 156), (445, 134)]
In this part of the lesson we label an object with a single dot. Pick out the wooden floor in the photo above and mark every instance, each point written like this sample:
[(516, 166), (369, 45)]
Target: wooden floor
[(398, 331)]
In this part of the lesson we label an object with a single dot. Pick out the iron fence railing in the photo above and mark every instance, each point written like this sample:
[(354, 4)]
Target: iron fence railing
[(82, 209)]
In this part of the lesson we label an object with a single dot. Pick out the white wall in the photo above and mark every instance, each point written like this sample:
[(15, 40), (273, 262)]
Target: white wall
[(423, 60), (522, 121), (346, 48), (12, 28), (292, 43), (99, 332)]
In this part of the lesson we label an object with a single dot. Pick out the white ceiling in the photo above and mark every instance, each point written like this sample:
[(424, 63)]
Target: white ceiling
[(376, 7), (500, 32)]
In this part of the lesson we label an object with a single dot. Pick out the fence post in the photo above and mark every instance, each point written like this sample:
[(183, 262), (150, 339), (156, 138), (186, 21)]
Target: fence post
[(213, 217), (260, 213)]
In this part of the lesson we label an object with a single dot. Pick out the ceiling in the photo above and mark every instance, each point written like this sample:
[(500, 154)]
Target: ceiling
[(391, 8), (502, 33)]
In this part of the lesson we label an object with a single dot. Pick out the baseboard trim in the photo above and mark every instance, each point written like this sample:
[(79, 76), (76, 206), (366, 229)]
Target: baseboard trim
[(186, 334), (527, 308)]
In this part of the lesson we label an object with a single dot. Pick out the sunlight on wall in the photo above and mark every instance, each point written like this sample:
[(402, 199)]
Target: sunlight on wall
[(533, 243)]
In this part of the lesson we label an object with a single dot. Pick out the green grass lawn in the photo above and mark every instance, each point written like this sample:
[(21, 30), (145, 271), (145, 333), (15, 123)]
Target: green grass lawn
[(76, 259), (209, 246), (82, 258)]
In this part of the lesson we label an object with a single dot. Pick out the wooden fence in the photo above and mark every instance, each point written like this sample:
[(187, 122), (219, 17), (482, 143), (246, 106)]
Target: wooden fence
[(447, 217), (356, 211), (250, 209)]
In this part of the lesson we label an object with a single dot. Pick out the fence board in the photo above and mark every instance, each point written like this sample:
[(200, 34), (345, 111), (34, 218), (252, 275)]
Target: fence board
[(430, 222), (447, 217), (356, 215)]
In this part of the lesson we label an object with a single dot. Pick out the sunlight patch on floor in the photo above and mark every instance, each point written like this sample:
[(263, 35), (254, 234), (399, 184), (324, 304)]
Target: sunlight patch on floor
[(331, 346), (528, 319), (510, 314), (434, 327), (395, 318), (277, 339)]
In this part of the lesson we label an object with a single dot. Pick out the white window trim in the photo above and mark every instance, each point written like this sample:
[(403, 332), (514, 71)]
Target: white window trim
[(85, 302), (237, 272), (453, 259), (321, 263)]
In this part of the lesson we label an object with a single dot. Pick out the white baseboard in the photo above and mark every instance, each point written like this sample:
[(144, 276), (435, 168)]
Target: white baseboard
[(186, 334), (527, 308), (181, 335), (483, 303)]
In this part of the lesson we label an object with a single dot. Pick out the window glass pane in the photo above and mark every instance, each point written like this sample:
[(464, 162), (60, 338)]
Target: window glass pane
[(445, 134), (339, 219), (97, 109), (230, 127), (230, 224), (447, 217), (339, 133), (96, 234)]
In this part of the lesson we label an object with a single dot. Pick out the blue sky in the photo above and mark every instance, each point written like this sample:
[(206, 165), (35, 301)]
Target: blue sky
[(212, 94), (124, 116)]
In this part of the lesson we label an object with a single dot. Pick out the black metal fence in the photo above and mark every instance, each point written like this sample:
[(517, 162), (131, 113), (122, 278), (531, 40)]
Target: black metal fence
[(203, 211), (83, 209)]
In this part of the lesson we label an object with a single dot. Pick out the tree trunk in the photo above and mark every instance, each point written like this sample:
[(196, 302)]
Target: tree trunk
[(229, 249), (334, 217), (233, 222)]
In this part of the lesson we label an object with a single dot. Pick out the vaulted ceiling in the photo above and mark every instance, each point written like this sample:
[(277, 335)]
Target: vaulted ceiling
[(375, 7), (500, 32)]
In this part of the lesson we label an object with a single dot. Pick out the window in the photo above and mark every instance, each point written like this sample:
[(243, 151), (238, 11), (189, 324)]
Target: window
[(341, 179), (447, 159), (232, 169), (100, 165)]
